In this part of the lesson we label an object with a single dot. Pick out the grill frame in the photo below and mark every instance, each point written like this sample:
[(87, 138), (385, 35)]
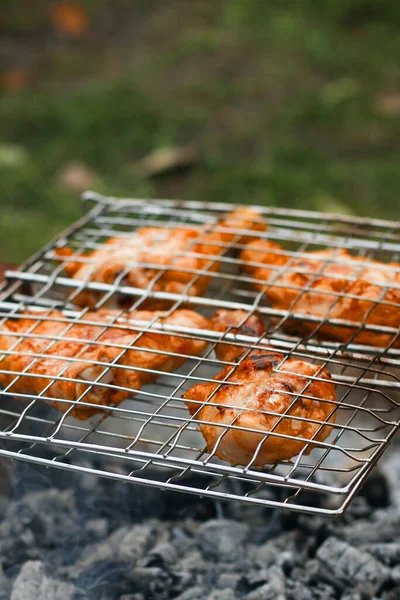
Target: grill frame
[(375, 368)]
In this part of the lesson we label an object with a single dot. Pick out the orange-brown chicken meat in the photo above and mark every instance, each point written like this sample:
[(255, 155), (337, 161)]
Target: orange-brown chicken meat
[(159, 258), (338, 286), (255, 395), (59, 378)]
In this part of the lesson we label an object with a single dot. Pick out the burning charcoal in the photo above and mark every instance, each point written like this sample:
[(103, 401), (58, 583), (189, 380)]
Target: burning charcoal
[(194, 593), (298, 591), (134, 545), (32, 583), (228, 580), (222, 539), (152, 581), (40, 521), (190, 527), (273, 590), (53, 516), (252, 554), (390, 594), (384, 528), (300, 574), (193, 561), (267, 554), (127, 545), (388, 554), (252, 580), (17, 542), (5, 585), (86, 532), (105, 552), (396, 574), (103, 580), (180, 581), (244, 565), (286, 562), (323, 591), (181, 540), (163, 554), (287, 542), (362, 592), (351, 565), (92, 556), (222, 595), (314, 572), (265, 593), (51, 588)]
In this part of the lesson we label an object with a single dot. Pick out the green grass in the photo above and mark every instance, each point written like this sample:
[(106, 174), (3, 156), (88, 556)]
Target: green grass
[(283, 103)]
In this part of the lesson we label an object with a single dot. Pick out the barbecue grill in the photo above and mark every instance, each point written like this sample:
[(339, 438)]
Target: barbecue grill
[(150, 439)]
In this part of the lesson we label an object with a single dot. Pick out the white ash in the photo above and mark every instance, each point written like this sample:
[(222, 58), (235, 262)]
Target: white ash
[(74, 537), (32, 582)]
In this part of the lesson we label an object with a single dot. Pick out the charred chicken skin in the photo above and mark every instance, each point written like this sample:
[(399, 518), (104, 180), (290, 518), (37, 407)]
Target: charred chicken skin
[(159, 258), (66, 369), (255, 395), (338, 286)]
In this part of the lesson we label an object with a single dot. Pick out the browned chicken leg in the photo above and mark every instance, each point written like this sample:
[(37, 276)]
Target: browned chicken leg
[(66, 369), (328, 284), (159, 258), (255, 395)]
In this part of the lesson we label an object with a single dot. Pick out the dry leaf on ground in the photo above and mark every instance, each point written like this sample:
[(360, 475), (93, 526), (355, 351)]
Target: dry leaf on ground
[(165, 160), (69, 18)]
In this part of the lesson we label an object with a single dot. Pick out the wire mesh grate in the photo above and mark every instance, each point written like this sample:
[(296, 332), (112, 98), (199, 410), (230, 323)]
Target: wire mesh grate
[(150, 437)]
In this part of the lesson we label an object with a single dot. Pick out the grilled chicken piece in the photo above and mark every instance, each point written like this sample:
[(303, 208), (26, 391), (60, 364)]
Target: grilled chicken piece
[(255, 394), (330, 276), (159, 258), (237, 322), (59, 378)]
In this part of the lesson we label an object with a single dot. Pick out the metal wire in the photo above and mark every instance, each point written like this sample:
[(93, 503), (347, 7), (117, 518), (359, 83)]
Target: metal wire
[(150, 438)]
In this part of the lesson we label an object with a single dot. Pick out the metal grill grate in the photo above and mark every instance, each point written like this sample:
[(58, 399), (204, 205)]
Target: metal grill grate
[(150, 438)]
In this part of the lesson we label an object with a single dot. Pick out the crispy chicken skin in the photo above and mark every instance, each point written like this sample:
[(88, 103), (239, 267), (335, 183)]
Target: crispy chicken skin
[(159, 258), (328, 275), (265, 383), (75, 344)]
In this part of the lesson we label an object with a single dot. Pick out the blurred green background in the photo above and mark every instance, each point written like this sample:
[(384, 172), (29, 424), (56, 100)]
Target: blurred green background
[(289, 103)]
